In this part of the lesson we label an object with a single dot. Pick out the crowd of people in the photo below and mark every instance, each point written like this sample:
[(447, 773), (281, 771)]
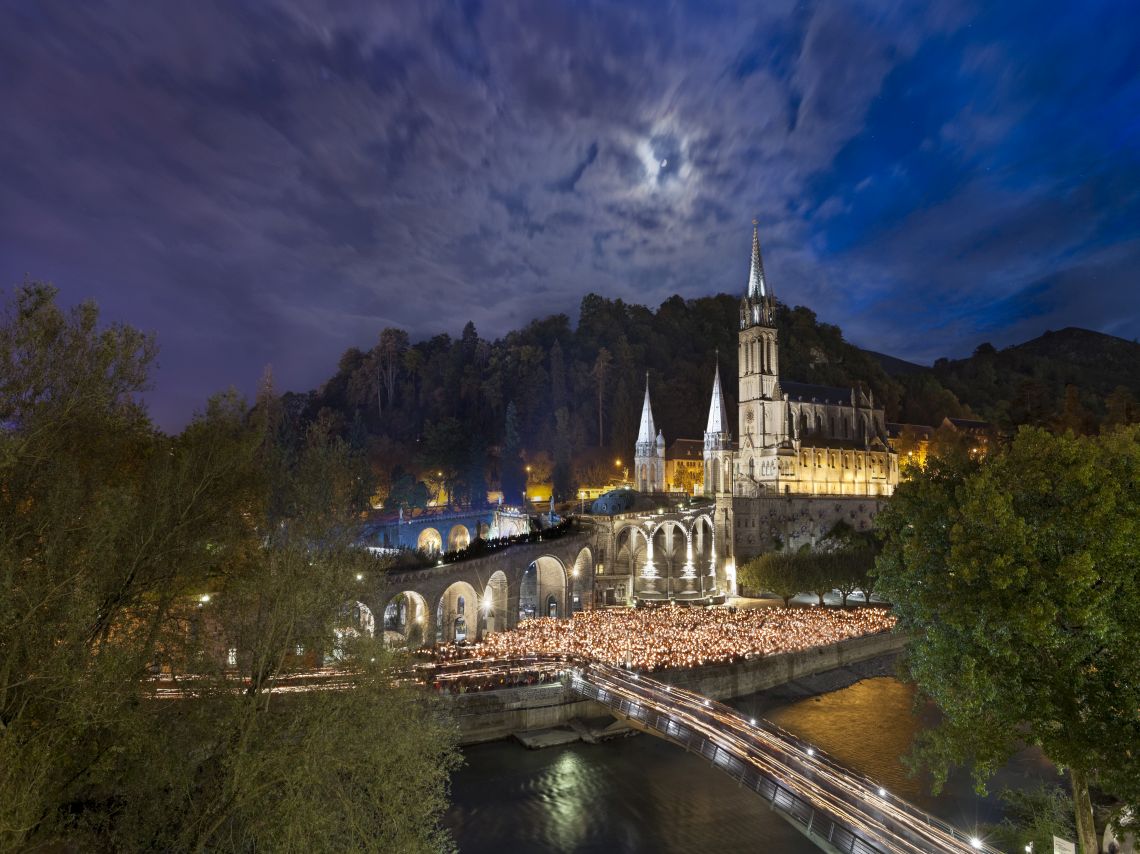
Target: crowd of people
[(660, 638)]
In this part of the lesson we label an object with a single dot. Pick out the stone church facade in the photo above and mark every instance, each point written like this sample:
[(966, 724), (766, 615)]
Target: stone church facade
[(803, 457)]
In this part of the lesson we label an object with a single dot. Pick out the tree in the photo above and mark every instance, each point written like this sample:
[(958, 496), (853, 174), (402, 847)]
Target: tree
[(563, 473), (775, 572), (406, 492), (125, 552), (389, 356), (512, 478), (1033, 818), (1017, 581), (1121, 408), (601, 366), (851, 576), (1073, 416)]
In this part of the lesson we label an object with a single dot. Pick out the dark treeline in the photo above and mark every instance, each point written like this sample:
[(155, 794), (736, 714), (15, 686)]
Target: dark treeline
[(467, 414)]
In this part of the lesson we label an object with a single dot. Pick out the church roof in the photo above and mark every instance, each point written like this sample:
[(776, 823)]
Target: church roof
[(818, 393), (686, 449), (647, 434), (922, 431), (718, 415), (969, 425)]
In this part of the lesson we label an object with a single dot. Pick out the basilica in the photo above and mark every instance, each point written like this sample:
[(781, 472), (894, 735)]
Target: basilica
[(794, 438)]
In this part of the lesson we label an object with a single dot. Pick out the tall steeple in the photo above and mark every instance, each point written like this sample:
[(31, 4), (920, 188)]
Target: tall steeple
[(718, 414), (757, 287), (647, 434), (649, 452), (756, 306), (718, 442)]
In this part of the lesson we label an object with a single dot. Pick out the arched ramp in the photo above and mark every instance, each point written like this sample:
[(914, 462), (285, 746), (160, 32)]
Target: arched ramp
[(458, 538), (543, 589), (429, 541), (457, 614), (405, 619), (496, 602)]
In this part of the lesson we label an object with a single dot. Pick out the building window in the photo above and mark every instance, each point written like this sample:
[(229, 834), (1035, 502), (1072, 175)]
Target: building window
[(231, 656)]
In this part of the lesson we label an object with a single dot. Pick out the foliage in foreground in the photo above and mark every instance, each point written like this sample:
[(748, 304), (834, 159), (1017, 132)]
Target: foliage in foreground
[(123, 553), (1033, 817), (1017, 579)]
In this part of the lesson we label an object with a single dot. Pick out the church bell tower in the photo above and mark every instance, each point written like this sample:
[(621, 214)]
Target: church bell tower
[(758, 361)]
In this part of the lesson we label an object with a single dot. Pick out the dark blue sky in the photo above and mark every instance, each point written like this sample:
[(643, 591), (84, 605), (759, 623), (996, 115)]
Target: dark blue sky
[(273, 182)]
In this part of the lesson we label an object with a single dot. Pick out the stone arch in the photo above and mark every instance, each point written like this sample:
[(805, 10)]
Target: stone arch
[(670, 557), (581, 580), (543, 585), (457, 613), (458, 538), (405, 619), (630, 550), (495, 602), (429, 541)]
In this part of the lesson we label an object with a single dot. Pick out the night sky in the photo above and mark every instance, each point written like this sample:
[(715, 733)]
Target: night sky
[(273, 182)]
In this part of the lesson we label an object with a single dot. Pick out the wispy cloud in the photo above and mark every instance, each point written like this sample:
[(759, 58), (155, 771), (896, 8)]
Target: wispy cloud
[(276, 182)]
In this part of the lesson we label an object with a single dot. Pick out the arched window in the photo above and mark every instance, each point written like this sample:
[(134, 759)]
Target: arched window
[(460, 606), (751, 467)]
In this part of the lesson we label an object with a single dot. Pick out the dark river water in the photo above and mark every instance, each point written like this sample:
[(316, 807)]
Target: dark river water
[(645, 795)]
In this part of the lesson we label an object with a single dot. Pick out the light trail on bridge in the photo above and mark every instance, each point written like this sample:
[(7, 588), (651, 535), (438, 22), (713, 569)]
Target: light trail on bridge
[(882, 822)]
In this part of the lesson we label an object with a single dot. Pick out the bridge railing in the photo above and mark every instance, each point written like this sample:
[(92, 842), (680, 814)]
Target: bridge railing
[(815, 821)]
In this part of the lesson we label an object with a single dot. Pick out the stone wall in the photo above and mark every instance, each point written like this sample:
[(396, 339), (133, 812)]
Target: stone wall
[(760, 523), (725, 681), (491, 715)]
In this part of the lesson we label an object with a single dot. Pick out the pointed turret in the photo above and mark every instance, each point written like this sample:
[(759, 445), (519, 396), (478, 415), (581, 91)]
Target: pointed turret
[(647, 433), (718, 414), (649, 452), (718, 442)]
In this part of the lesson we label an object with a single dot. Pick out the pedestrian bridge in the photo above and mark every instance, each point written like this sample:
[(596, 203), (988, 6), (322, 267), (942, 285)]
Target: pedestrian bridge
[(837, 809)]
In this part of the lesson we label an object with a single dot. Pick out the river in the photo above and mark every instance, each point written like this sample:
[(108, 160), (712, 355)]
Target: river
[(641, 794)]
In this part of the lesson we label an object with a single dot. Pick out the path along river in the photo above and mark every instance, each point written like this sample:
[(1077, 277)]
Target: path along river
[(641, 794)]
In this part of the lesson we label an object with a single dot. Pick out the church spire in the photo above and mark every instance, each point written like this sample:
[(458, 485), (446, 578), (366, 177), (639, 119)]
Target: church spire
[(757, 287), (756, 307), (647, 434), (718, 415)]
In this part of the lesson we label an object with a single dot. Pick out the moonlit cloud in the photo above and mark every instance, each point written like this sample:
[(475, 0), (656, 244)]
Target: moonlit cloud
[(276, 182)]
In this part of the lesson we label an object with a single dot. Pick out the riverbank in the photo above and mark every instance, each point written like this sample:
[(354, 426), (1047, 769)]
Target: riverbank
[(493, 715)]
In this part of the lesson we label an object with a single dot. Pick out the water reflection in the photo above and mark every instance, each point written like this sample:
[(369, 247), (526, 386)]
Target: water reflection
[(643, 794)]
